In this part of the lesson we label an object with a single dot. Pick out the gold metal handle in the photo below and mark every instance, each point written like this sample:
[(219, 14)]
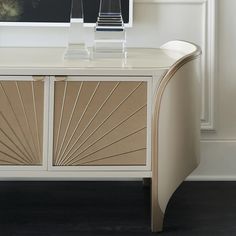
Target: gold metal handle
[(39, 78), (61, 78)]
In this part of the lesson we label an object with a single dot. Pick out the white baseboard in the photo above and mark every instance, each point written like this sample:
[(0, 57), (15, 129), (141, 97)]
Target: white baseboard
[(211, 178), (218, 161)]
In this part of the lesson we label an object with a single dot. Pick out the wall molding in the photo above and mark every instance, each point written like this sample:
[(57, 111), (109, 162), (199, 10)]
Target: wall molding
[(209, 67), (208, 57)]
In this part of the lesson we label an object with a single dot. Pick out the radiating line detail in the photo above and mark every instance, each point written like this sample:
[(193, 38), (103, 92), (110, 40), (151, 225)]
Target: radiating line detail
[(115, 155), (25, 115), (103, 121), (71, 116), (108, 145), (110, 127), (10, 158), (36, 121), (21, 122), (20, 158), (91, 120), (108, 132), (27, 155), (61, 115), (17, 120), (85, 109)]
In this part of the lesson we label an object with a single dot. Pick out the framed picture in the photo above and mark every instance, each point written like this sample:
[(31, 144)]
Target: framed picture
[(35, 12), (55, 12)]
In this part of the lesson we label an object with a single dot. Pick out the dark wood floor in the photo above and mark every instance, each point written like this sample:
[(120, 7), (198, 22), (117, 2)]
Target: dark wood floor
[(113, 208)]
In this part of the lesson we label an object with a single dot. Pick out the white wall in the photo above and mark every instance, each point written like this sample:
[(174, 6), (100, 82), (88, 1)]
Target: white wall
[(219, 148), (157, 21)]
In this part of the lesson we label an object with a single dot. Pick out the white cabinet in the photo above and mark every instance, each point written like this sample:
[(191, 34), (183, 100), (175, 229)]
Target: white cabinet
[(109, 118)]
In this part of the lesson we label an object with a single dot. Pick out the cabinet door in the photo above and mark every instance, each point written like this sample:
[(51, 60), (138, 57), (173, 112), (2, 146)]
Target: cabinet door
[(21, 121), (100, 123)]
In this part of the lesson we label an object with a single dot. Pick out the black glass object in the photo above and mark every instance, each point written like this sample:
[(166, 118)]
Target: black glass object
[(110, 35)]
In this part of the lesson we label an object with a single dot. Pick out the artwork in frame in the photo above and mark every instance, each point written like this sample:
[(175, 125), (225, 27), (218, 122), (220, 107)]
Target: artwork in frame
[(54, 12), (36, 12)]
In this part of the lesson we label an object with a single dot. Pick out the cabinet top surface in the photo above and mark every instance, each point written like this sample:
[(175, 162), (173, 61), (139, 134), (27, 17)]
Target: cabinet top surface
[(53, 58)]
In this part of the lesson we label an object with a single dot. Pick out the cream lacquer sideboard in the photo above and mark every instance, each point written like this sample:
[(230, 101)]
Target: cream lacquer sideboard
[(106, 118)]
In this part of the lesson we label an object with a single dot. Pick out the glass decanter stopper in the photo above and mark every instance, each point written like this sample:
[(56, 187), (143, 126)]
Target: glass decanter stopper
[(76, 48), (110, 35)]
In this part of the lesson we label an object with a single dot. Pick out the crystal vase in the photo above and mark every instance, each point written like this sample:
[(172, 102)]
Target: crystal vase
[(76, 48), (110, 35)]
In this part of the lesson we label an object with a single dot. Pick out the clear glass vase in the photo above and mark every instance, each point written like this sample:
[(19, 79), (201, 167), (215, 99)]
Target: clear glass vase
[(76, 48), (110, 35)]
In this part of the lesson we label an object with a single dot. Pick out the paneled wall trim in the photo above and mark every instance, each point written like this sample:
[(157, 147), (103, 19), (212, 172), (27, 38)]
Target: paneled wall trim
[(208, 59)]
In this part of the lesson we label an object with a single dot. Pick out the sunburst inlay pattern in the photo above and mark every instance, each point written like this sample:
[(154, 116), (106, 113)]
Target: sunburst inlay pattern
[(21, 122), (100, 123)]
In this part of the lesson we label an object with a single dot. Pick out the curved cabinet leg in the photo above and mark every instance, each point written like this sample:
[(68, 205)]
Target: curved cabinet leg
[(175, 134), (157, 216)]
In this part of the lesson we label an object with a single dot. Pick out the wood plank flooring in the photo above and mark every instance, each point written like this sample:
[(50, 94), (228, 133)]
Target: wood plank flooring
[(113, 208)]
